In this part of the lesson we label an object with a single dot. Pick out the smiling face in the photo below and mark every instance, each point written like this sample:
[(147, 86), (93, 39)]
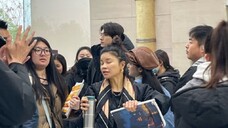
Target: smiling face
[(41, 55), (111, 66)]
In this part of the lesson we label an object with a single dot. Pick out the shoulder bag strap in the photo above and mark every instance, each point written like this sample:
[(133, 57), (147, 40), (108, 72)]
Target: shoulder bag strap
[(47, 113)]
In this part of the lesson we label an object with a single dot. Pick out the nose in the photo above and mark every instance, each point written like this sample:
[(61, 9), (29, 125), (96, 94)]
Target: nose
[(101, 37), (103, 66), (42, 52), (186, 45)]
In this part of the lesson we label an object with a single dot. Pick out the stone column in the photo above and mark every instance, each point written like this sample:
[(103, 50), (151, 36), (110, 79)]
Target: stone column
[(145, 20)]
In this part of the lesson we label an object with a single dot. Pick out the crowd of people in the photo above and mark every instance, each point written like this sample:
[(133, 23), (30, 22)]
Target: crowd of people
[(35, 82)]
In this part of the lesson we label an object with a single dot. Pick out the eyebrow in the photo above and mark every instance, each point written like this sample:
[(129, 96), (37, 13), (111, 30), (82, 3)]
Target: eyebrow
[(107, 59), (42, 48)]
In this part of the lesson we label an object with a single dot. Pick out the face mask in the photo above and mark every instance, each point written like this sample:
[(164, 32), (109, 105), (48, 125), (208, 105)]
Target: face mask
[(155, 71)]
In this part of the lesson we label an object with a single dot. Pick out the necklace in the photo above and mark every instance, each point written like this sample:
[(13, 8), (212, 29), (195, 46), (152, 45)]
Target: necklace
[(117, 93)]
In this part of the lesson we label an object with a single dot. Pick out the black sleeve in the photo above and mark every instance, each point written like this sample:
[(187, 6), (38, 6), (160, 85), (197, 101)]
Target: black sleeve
[(186, 77), (69, 78), (89, 73), (145, 92), (16, 95)]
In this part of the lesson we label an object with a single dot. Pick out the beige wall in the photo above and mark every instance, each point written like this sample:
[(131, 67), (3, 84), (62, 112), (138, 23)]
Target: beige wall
[(73, 23), (174, 19), (120, 11), (64, 23)]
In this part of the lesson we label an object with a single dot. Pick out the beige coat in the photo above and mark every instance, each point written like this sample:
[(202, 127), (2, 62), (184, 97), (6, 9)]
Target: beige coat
[(43, 122)]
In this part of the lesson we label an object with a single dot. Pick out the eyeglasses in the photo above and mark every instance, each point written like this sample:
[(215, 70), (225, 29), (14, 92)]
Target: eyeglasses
[(39, 51)]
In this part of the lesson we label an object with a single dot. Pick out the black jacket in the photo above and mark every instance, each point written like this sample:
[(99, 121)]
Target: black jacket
[(188, 74), (94, 73), (186, 77), (127, 43), (78, 73), (199, 107), (169, 80), (142, 92), (16, 95)]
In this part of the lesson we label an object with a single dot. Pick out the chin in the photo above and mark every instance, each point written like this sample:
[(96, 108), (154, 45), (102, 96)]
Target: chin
[(102, 45), (107, 77)]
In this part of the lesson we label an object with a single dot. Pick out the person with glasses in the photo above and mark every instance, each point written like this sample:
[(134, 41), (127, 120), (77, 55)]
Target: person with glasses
[(16, 95), (49, 86)]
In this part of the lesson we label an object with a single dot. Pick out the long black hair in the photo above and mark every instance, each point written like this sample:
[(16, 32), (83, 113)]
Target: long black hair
[(62, 60), (53, 76), (164, 58)]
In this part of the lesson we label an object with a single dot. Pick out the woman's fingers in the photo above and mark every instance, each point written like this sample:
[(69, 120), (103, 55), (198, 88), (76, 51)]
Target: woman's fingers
[(131, 105), (84, 103), (18, 36)]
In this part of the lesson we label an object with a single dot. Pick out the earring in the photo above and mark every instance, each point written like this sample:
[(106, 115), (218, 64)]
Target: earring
[(122, 70)]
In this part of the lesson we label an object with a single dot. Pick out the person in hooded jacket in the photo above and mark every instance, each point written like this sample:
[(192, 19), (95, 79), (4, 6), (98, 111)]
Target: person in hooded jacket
[(107, 32), (203, 101), (166, 74), (194, 52)]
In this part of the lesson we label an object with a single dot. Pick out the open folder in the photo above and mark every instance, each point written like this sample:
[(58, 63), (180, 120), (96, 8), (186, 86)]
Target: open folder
[(147, 115)]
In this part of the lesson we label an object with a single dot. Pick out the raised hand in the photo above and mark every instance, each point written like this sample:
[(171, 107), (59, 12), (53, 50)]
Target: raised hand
[(18, 51)]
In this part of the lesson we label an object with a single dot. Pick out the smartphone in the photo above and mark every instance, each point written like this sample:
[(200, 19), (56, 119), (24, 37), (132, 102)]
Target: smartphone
[(2, 41)]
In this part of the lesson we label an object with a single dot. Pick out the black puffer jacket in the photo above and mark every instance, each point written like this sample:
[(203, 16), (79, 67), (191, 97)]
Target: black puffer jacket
[(199, 107), (127, 43), (169, 80)]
